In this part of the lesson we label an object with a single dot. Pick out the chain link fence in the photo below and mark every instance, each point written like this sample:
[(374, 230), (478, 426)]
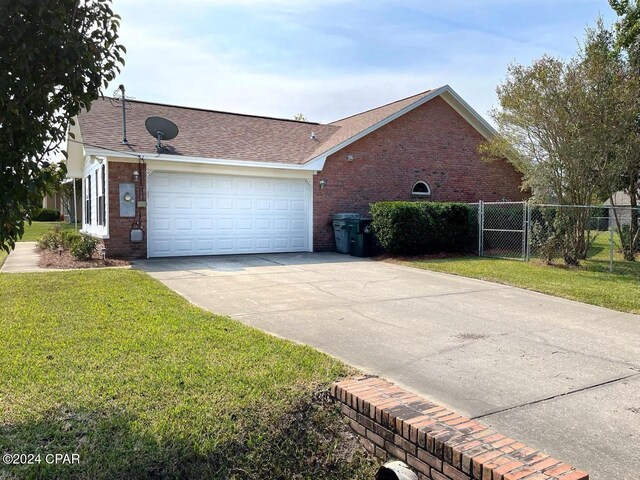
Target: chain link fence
[(571, 233)]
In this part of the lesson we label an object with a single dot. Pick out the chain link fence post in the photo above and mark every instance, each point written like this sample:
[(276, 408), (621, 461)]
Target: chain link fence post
[(528, 232), (611, 241), (480, 226)]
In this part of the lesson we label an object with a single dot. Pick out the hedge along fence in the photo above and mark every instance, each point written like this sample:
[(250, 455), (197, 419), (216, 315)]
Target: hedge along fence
[(414, 228)]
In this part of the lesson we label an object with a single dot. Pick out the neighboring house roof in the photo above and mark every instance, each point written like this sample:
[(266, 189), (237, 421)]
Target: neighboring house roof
[(211, 134), (620, 199)]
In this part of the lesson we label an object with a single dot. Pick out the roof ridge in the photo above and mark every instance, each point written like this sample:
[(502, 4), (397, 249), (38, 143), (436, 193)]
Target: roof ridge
[(385, 105), (184, 107)]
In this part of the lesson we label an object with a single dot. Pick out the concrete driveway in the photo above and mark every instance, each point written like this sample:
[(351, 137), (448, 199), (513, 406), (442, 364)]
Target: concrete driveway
[(559, 375)]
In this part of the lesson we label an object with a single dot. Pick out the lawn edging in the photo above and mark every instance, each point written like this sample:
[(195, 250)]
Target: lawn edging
[(436, 442)]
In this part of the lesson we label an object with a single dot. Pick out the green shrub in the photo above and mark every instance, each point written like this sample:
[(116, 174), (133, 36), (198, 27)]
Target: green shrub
[(83, 247), (414, 228), (47, 215), (68, 238), (51, 239), (629, 246)]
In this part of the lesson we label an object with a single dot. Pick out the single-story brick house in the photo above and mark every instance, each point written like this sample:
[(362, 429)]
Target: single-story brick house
[(232, 183)]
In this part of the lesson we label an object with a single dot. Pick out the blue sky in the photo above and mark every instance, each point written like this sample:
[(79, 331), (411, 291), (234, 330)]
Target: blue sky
[(332, 58)]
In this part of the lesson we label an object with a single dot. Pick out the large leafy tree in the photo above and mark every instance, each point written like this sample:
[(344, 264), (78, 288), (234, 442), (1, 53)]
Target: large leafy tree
[(628, 44), (559, 124), (628, 25), (55, 57)]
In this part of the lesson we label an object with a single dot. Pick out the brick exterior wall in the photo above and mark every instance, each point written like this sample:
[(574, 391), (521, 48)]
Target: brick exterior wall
[(438, 443), (432, 143), (118, 244)]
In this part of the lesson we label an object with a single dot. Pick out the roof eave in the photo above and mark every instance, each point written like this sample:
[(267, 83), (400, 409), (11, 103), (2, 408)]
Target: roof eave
[(308, 166)]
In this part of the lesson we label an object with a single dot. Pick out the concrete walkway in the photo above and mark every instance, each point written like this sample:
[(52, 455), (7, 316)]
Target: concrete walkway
[(559, 375), (23, 259)]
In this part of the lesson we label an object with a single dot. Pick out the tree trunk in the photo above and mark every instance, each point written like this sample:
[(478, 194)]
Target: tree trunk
[(630, 252)]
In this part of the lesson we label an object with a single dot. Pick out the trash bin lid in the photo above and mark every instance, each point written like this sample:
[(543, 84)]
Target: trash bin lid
[(346, 216)]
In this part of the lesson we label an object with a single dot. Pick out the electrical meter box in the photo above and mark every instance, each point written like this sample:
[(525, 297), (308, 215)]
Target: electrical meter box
[(127, 200)]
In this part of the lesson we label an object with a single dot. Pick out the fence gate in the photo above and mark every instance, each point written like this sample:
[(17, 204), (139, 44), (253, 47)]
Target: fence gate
[(502, 230)]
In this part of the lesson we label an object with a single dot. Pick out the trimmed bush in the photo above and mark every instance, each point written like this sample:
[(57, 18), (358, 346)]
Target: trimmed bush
[(415, 228), (83, 247), (68, 238), (47, 215), (51, 239)]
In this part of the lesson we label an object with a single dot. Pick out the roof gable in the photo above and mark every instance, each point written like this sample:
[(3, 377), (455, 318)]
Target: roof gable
[(357, 126)]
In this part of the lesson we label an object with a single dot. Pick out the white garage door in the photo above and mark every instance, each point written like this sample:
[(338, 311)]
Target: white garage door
[(199, 214)]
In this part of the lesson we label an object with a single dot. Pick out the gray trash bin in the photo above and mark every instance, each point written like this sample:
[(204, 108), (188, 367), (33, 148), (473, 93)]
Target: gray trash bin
[(340, 229)]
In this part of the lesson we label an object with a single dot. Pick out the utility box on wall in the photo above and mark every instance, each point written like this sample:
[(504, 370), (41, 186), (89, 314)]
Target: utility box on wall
[(127, 200)]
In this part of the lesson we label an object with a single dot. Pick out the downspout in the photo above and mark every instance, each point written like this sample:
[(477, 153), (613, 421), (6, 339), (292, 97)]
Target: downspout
[(75, 206)]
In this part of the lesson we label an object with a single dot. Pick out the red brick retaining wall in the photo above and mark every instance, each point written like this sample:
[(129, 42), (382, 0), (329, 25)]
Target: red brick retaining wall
[(438, 443)]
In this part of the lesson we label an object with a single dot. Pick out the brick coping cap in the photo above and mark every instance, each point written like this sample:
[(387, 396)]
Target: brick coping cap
[(457, 441)]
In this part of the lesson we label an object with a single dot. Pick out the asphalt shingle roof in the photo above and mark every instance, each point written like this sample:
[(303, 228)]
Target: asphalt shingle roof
[(222, 135)]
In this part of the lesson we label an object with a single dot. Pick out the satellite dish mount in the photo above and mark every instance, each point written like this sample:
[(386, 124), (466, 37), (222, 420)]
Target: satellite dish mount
[(161, 129)]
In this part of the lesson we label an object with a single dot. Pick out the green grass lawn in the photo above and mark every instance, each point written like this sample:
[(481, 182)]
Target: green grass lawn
[(590, 283), (34, 231), (141, 384)]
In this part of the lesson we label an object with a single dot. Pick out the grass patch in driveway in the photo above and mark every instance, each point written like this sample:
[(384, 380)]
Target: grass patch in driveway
[(116, 367), (590, 283)]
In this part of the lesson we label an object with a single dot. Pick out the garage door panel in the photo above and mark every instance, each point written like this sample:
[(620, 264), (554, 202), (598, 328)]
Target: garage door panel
[(244, 204), (298, 206), (245, 244), (224, 204), (204, 203), (298, 243), (163, 224), (194, 214), (183, 245), (183, 225), (298, 225), (245, 223), (225, 224), (204, 224)]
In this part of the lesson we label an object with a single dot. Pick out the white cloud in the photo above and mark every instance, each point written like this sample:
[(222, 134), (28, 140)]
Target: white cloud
[(169, 61), (168, 69)]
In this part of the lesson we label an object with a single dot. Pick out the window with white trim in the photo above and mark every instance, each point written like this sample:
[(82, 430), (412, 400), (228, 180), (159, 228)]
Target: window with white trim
[(421, 189), (87, 209), (102, 218)]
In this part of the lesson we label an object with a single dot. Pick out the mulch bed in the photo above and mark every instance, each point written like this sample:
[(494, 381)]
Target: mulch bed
[(49, 259)]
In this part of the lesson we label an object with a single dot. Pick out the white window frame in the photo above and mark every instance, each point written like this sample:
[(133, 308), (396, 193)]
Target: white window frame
[(421, 194), (93, 169)]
